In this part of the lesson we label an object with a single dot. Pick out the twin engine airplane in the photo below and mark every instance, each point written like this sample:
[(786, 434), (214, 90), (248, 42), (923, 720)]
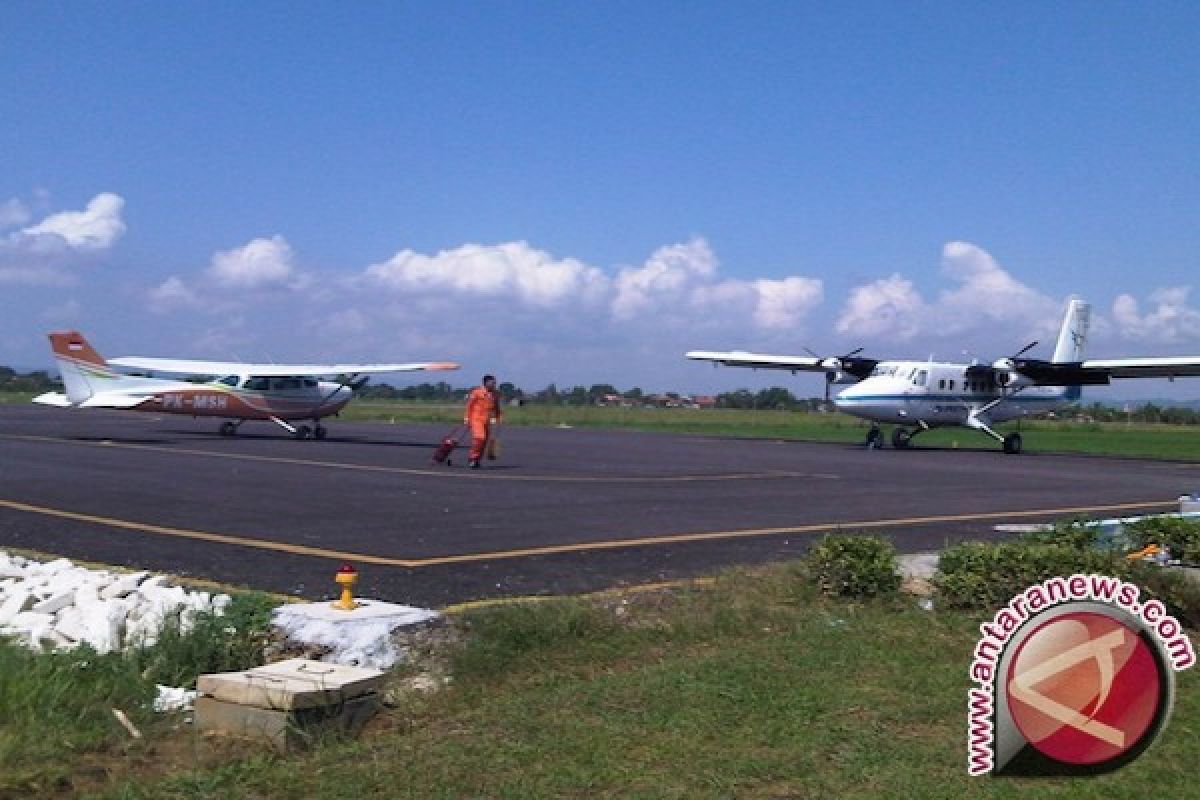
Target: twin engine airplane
[(275, 392), (918, 396)]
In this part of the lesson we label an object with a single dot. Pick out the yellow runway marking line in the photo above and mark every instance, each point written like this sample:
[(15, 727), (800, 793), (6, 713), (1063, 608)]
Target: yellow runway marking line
[(581, 547), (428, 473)]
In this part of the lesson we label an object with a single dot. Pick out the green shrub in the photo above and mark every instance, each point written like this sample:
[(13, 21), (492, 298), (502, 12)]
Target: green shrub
[(854, 566), (1074, 532), (1180, 535), (1178, 591), (233, 641), (989, 574)]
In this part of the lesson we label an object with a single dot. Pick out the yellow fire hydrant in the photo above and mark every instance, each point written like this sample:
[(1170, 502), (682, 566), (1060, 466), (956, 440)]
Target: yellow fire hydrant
[(346, 578)]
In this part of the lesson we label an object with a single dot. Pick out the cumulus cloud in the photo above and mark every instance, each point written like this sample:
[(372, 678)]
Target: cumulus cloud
[(664, 277), (1170, 319), (889, 306), (783, 304), (513, 269), (258, 263), (172, 295), (988, 291), (985, 295), (97, 227), (678, 283), (46, 254)]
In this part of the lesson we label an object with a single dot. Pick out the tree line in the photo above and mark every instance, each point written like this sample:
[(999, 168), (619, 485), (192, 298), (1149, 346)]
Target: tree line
[(775, 398)]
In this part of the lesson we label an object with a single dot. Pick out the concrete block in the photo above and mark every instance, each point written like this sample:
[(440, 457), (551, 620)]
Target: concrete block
[(298, 683), (285, 730)]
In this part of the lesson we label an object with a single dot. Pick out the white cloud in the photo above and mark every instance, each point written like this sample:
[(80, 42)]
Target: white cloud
[(986, 298), (171, 295), (97, 227), (783, 304), (989, 292), (1170, 320), (663, 278), (13, 213), (258, 263), (513, 269), (889, 306)]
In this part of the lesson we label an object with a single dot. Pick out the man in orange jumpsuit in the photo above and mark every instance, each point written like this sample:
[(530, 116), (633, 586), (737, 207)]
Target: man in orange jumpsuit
[(483, 411)]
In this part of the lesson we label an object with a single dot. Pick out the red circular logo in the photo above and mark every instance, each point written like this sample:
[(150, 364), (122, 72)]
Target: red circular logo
[(1083, 688)]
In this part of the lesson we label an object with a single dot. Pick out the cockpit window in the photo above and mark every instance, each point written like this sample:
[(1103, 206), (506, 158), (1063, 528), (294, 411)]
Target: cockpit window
[(258, 384), (229, 380)]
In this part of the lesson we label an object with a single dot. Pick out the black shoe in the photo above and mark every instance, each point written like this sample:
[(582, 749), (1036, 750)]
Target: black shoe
[(473, 463)]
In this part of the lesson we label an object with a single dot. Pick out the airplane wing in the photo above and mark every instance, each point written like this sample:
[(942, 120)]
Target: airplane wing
[(177, 366), (849, 364), (1099, 371)]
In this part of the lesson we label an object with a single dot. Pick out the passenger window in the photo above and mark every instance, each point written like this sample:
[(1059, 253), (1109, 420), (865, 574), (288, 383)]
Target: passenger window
[(942, 383), (920, 379), (258, 384), (951, 384), (310, 383)]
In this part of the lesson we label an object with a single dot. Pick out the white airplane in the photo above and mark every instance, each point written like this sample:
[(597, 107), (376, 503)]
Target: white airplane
[(275, 392), (918, 396)]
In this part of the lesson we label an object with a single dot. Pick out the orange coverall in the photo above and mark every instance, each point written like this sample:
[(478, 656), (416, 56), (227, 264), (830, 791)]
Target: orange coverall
[(482, 411)]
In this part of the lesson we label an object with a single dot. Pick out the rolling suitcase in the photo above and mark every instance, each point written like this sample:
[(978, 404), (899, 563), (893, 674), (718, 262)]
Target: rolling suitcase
[(445, 447)]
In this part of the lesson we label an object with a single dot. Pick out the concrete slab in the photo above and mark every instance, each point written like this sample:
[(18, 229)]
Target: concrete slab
[(285, 730), (298, 683), (362, 637)]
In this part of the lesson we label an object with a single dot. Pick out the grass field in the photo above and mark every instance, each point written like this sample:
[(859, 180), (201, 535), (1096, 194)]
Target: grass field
[(753, 688), (1118, 439)]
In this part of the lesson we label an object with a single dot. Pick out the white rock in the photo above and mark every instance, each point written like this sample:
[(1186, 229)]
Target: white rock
[(51, 567), (123, 585), (54, 603), (30, 620), (14, 604), (104, 622), (86, 595), (70, 624)]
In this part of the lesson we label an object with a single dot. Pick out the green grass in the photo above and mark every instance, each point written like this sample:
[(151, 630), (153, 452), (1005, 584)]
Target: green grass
[(756, 688), (1117, 439), (56, 709)]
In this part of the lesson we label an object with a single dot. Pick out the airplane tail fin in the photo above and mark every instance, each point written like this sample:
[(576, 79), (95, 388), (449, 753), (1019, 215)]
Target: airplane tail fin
[(1071, 339), (1073, 335), (84, 372)]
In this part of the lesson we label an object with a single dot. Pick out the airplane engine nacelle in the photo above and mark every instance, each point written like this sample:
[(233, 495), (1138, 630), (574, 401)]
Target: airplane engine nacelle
[(1007, 376), (840, 377)]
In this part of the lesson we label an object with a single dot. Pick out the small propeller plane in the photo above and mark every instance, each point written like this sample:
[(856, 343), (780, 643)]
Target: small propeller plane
[(917, 396), (281, 393)]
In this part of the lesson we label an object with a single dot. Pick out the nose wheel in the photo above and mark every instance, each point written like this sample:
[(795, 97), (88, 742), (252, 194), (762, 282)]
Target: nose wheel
[(874, 439)]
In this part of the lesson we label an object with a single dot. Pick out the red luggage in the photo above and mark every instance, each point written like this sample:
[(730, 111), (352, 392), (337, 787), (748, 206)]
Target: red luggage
[(442, 454)]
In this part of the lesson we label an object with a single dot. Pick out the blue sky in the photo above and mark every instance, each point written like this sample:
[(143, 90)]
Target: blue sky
[(580, 192)]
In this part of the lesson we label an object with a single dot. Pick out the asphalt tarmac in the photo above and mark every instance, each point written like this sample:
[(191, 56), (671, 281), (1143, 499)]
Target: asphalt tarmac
[(564, 510)]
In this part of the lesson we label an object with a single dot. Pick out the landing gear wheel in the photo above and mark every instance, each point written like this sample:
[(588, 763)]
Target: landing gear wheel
[(874, 439), (228, 428), (303, 432), (1012, 444), (320, 431), (901, 438)]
